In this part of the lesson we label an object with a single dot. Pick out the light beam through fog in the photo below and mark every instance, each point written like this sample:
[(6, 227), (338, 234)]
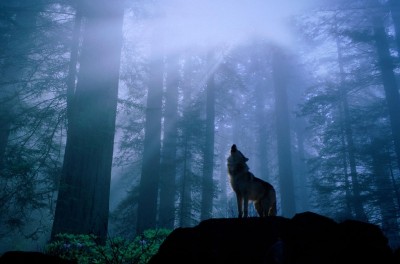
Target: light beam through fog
[(193, 24)]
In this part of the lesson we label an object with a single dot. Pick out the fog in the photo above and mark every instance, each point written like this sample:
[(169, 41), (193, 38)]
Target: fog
[(195, 25), (142, 110), (208, 24)]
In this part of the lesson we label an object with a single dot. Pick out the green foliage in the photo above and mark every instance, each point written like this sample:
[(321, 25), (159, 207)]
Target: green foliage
[(147, 244), (82, 248), (85, 249)]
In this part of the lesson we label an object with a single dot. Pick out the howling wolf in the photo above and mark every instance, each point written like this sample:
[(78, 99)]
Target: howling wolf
[(248, 187)]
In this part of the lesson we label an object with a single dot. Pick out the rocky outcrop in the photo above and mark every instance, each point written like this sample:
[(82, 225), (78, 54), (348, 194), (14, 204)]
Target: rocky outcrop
[(306, 238)]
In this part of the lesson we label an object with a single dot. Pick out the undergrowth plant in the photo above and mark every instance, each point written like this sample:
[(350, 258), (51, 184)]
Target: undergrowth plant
[(84, 248)]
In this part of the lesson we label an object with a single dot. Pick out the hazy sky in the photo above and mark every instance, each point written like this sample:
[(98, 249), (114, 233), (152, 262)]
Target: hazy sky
[(208, 23)]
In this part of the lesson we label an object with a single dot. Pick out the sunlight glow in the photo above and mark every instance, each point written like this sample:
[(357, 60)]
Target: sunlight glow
[(194, 24)]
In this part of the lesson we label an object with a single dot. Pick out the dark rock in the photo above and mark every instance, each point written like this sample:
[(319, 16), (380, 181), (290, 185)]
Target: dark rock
[(306, 238), (397, 255), (22, 257)]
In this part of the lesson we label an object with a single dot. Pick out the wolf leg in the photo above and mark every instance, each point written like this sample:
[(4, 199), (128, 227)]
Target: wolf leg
[(239, 199), (259, 209), (272, 209), (246, 206), (272, 203), (265, 204)]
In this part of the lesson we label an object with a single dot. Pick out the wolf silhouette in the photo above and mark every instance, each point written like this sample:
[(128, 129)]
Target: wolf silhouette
[(247, 187)]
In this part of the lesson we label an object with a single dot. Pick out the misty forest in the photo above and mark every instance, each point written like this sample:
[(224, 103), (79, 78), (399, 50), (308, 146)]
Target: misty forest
[(117, 117)]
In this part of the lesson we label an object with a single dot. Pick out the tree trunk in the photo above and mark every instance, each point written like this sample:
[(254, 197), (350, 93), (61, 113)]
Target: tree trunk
[(389, 82), (223, 181), (73, 62), (185, 214), (149, 181), (262, 135), (83, 198), (356, 189), (395, 12), (348, 197), (385, 193), (208, 151), (356, 199), (288, 205), (260, 93), (303, 192), (169, 163), (186, 180)]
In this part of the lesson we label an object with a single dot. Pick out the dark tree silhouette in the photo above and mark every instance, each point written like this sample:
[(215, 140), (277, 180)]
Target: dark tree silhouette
[(208, 152), (169, 155), (32, 99), (386, 65), (16, 49), (349, 145), (286, 186), (83, 198), (149, 181)]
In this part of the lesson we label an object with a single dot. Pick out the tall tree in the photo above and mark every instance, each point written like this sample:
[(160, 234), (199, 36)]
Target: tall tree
[(83, 198), (222, 210), (386, 65), (190, 145), (260, 93), (17, 44), (395, 13), (186, 185), (169, 158), (349, 141), (208, 152), (385, 191), (301, 169), (286, 185), (31, 111), (149, 180)]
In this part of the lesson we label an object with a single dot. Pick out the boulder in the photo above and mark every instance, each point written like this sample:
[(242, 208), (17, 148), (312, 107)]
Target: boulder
[(306, 238)]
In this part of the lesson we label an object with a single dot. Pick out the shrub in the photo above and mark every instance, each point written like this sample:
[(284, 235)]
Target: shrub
[(85, 250)]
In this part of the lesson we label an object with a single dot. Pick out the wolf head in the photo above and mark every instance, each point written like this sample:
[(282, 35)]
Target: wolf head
[(233, 148), (236, 161)]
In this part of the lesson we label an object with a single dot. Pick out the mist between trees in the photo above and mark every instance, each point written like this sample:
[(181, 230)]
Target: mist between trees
[(118, 116)]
